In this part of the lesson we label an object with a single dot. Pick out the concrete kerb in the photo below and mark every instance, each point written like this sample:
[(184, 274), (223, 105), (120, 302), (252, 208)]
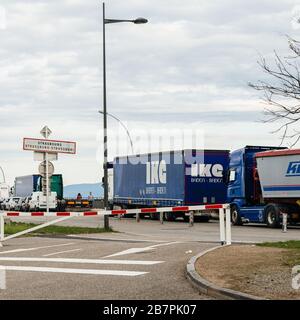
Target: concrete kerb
[(209, 288)]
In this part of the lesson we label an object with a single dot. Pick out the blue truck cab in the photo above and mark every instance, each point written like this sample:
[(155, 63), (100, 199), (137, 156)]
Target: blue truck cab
[(243, 190)]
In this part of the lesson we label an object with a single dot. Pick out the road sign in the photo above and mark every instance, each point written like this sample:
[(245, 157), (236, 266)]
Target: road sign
[(45, 132), (43, 168), (52, 146), (45, 150)]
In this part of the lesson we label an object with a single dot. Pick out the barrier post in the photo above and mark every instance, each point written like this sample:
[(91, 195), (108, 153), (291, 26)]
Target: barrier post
[(191, 218), (284, 222), (228, 226), (161, 217), (1, 229), (138, 217), (222, 226), (106, 222)]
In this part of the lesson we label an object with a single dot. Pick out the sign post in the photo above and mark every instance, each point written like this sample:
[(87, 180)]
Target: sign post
[(46, 132), (46, 150)]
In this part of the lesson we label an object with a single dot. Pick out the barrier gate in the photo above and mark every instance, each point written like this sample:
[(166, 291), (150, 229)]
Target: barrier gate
[(224, 218)]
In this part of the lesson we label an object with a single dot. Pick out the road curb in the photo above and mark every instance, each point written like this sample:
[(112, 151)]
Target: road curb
[(210, 288)]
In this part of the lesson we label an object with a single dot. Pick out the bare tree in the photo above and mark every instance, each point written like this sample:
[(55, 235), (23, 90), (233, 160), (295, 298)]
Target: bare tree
[(282, 94)]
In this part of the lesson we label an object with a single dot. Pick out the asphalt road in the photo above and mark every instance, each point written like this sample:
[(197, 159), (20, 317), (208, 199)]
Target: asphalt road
[(171, 231), (40, 268), (143, 260)]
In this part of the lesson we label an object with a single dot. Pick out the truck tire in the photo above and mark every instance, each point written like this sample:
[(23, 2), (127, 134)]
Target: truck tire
[(235, 216), (272, 216)]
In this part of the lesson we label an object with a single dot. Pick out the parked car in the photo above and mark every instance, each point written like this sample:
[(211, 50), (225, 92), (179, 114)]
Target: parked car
[(13, 203), (3, 204)]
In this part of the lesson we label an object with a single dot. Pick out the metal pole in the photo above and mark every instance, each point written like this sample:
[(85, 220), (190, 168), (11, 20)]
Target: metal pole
[(106, 222), (137, 217), (284, 222), (222, 226), (47, 175), (123, 125), (228, 226), (1, 230), (2, 174), (191, 218), (104, 118), (161, 217)]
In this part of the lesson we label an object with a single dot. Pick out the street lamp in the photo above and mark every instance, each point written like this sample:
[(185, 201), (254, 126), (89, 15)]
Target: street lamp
[(3, 175), (106, 21), (123, 125)]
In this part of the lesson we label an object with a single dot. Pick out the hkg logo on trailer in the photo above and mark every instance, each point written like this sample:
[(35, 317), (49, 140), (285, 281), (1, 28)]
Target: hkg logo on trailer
[(293, 169), (156, 172)]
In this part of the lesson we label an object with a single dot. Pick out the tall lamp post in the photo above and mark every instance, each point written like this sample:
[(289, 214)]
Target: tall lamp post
[(106, 21), (3, 175), (123, 125)]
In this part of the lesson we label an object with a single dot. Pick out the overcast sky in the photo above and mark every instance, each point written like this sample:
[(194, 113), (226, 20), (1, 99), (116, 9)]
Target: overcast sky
[(188, 68)]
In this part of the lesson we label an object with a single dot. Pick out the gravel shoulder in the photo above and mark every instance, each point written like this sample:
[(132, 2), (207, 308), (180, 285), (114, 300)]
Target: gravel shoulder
[(260, 271)]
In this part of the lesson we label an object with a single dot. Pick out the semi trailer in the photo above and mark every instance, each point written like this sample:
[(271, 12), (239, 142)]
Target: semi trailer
[(26, 185), (263, 183), (174, 178), (30, 188)]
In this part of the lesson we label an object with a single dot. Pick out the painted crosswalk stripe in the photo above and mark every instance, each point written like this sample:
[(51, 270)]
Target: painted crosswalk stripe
[(60, 252), (139, 250), (77, 271), (75, 260), (36, 248)]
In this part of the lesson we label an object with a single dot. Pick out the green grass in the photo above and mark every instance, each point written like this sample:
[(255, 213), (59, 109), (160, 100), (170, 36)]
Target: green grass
[(291, 244), (15, 227), (290, 257)]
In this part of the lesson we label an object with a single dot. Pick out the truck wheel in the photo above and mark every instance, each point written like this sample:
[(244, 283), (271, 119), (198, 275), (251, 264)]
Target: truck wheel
[(235, 216), (272, 215), (169, 216)]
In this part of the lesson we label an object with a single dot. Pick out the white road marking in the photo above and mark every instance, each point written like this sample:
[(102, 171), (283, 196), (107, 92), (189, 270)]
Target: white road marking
[(36, 248), (55, 253), (87, 261), (116, 239), (78, 271), (137, 250)]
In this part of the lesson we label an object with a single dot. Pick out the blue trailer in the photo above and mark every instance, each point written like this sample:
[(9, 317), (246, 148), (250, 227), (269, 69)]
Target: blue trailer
[(174, 178), (244, 188)]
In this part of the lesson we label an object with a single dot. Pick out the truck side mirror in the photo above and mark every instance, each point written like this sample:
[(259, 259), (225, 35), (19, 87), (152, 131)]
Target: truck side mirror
[(225, 175)]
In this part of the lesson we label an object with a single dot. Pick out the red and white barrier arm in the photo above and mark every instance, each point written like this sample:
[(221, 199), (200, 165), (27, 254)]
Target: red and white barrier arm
[(169, 209), (113, 212), (51, 214)]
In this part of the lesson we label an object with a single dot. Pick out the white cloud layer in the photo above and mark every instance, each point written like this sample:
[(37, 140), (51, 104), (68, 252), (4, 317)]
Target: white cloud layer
[(188, 67)]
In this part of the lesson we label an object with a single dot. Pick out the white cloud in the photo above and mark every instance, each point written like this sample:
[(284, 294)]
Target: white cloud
[(188, 67)]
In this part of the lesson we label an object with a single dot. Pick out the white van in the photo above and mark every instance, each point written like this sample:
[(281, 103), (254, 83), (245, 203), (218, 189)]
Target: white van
[(38, 201)]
